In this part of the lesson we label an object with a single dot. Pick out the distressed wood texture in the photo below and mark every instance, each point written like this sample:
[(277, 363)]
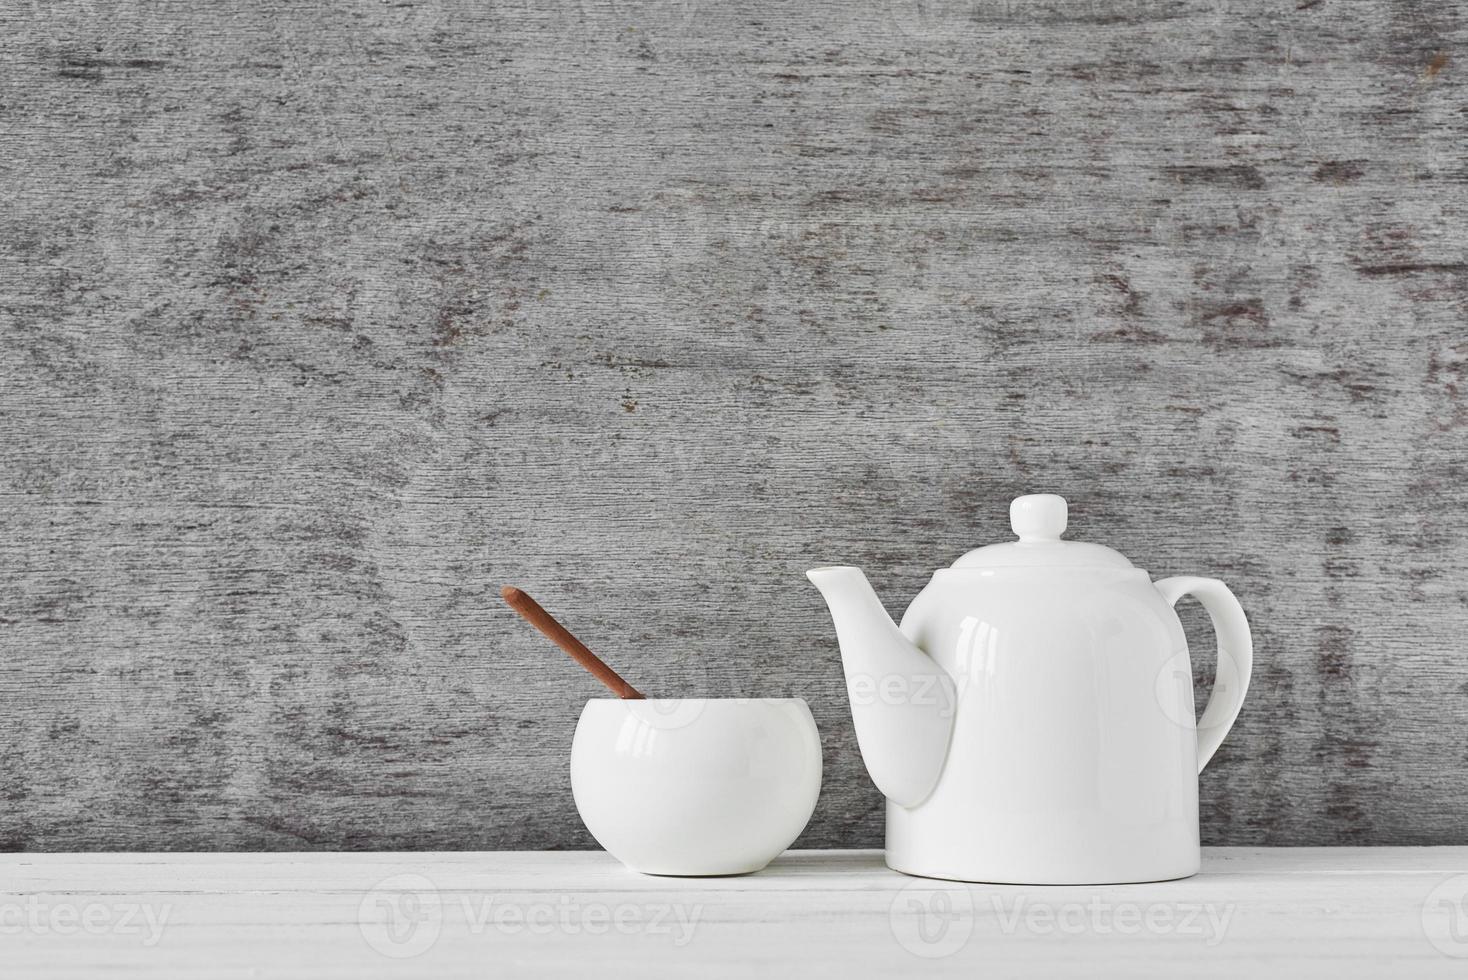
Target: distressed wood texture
[(322, 322)]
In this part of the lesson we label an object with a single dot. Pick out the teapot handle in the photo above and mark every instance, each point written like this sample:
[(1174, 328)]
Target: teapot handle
[(1235, 656)]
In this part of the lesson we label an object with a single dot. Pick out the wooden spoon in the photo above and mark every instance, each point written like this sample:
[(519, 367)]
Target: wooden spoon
[(561, 637)]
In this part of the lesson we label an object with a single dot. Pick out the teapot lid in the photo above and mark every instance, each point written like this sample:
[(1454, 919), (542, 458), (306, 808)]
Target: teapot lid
[(1039, 520)]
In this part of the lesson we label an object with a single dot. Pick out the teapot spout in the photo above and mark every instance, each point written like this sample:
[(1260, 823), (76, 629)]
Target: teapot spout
[(902, 701)]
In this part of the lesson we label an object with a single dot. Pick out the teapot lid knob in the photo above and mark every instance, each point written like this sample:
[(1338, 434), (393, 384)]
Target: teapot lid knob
[(1038, 516)]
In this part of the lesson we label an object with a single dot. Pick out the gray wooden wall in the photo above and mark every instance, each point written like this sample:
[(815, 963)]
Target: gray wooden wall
[(321, 322)]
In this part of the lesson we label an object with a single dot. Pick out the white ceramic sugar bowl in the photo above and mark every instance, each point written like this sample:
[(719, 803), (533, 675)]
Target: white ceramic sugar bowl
[(696, 786)]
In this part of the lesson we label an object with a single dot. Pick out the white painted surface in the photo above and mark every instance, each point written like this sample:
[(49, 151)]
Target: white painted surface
[(1337, 912)]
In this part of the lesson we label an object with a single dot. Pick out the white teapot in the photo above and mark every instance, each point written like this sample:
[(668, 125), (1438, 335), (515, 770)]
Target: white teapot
[(1032, 721)]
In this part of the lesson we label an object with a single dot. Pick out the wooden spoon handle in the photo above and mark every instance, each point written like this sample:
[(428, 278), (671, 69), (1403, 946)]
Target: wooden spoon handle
[(561, 637)]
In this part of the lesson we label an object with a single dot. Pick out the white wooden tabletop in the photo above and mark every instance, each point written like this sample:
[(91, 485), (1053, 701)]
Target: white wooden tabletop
[(1327, 912)]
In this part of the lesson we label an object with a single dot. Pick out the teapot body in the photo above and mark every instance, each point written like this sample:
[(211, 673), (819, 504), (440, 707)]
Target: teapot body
[(1074, 755), (1031, 720)]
